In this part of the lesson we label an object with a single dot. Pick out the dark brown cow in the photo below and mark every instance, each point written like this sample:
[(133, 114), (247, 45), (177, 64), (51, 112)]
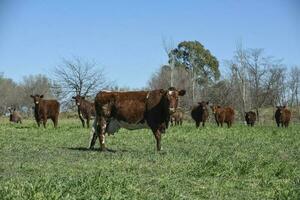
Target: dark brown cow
[(200, 113), (222, 115), (176, 118), (86, 110), (14, 116), (250, 118), (45, 109), (282, 116), (133, 110)]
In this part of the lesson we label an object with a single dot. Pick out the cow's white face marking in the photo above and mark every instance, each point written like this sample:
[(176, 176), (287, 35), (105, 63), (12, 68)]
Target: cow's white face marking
[(36, 102), (170, 92), (78, 104)]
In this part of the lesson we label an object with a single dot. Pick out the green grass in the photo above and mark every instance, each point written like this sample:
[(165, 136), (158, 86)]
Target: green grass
[(211, 163)]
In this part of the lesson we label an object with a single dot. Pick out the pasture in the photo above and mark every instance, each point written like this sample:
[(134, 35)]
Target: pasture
[(211, 163)]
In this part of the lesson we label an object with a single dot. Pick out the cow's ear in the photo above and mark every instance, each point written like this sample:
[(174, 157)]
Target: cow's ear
[(219, 106), (41, 96), (31, 96), (278, 107), (181, 92), (73, 97), (162, 91)]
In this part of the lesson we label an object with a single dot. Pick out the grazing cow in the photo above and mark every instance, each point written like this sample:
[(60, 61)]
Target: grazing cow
[(133, 110), (200, 113), (250, 118), (45, 109), (86, 110), (222, 115), (14, 116), (176, 118), (282, 116)]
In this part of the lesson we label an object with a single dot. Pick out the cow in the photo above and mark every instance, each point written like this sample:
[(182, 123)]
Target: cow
[(45, 109), (282, 116), (176, 118), (222, 115), (86, 109), (14, 116), (199, 113), (133, 110), (250, 118)]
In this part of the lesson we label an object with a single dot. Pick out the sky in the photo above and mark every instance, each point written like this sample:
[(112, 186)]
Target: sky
[(125, 37)]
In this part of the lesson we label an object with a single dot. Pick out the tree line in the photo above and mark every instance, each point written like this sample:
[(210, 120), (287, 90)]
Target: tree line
[(250, 80)]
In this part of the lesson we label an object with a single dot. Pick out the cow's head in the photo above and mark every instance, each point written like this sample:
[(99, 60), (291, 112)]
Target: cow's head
[(78, 99), (36, 98), (172, 95), (280, 108), (203, 104), (214, 108)]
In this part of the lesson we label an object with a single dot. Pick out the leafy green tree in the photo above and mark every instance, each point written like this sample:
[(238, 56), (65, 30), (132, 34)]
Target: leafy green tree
[(203, 66)]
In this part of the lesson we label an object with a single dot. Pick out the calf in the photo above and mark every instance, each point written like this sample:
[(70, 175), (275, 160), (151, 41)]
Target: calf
[(282, 116), (176, 118), (222, 115), (200, 113), (86, 110), (250, 118), (133, 110), (14, 116), (45, 109)]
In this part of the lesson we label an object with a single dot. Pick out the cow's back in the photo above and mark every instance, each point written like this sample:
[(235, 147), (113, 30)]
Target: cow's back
[(286, 115), (123, 106), (50, 108), (229, 114)]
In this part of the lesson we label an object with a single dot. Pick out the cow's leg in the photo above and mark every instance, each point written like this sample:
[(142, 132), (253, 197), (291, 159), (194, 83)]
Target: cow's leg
[(55, 121), (81, 118), (197, 124), (88, 122), (203, 123), (157, 136), (93, 134), (44, 122), (101, 133)]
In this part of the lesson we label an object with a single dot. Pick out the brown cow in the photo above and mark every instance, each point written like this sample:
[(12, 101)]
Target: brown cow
[(222, 115), (86, 110), (282, 116), (200, 113), (176, 118), (250, 118), (14, 116), (133, 110), (45, 109)]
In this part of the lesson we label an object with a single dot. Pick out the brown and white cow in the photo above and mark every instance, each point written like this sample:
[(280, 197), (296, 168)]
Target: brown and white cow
[(133, 110), (282, 116), (45, 109), (86, 109), (223, 114)]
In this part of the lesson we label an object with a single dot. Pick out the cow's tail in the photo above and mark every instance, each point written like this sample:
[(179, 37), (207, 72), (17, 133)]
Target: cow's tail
[(93, 134)]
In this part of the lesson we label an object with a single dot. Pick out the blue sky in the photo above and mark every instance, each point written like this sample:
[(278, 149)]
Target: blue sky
[(125, 37)]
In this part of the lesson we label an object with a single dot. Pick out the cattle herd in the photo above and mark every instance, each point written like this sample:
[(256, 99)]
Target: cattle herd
[(138, 109)]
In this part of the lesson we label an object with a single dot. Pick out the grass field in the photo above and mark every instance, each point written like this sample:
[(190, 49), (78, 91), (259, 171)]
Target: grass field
[(211, 163)]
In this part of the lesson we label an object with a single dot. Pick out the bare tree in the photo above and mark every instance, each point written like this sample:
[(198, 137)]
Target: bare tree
[(294, 85), (79, 77)]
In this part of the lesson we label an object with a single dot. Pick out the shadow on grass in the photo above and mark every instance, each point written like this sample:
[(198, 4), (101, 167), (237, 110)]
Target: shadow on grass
[(94, 149)]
